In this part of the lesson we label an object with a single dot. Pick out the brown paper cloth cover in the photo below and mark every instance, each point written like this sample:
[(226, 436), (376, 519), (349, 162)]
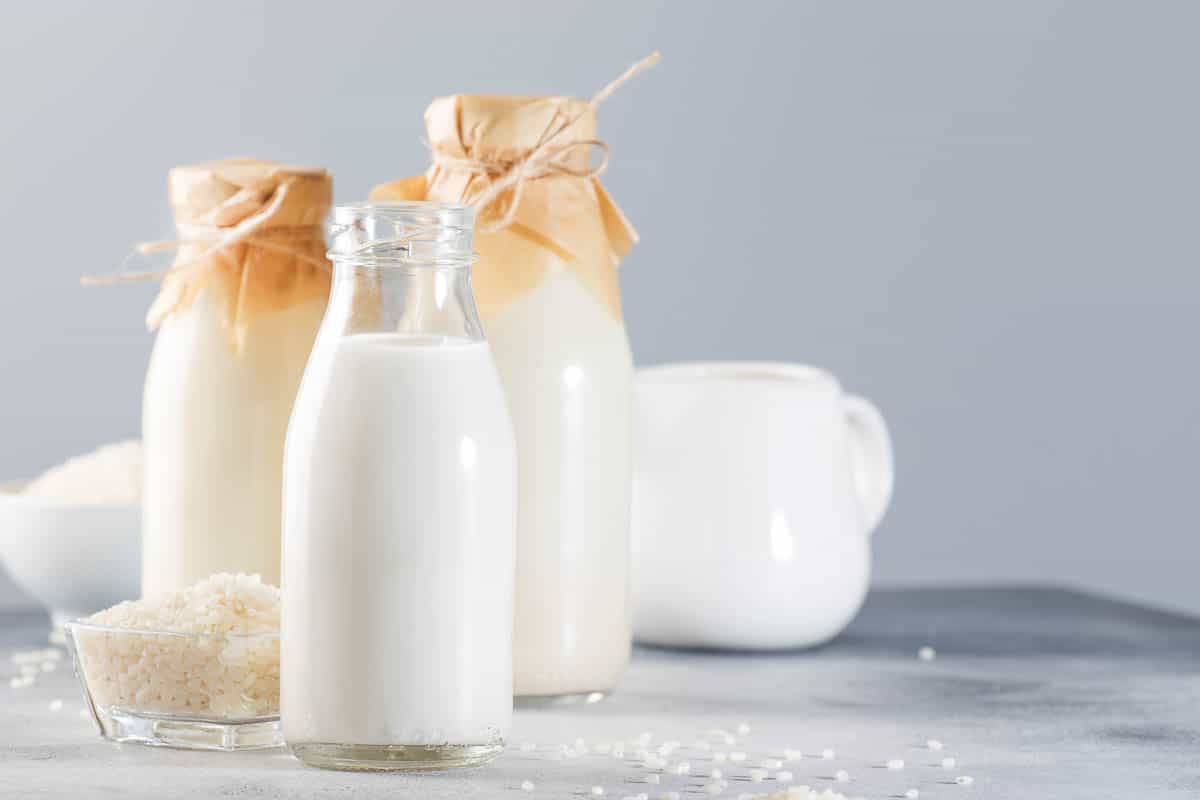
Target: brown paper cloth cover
[(250, 231), (563, 220)]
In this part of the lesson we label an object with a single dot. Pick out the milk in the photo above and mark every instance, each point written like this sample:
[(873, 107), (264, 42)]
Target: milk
[(399, 509), (214, 419), (567, 372)]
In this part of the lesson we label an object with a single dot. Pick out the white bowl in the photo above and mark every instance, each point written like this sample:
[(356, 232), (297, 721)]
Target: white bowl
[(74, 559)]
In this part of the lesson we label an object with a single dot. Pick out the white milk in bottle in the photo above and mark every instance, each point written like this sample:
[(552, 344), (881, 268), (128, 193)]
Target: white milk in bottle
[(400, 508), (550, 238), (569, 395), (236, 319)]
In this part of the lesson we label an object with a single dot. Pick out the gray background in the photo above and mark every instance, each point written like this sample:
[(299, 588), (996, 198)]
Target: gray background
[(981, 215)]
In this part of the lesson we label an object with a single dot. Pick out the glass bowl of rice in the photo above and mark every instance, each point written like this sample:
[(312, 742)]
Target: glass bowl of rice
[(197, 669)]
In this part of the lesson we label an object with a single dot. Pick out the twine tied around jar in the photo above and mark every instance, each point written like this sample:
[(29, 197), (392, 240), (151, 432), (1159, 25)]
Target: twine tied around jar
[(215, 240), (548, 157)]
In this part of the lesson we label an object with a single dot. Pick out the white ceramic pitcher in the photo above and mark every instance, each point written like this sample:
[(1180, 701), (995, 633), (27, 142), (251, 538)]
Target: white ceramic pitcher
[(756, 488)]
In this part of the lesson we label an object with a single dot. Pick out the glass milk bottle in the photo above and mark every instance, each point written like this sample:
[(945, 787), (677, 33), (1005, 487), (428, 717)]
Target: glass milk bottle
[(550, 300), (236, 318), (399, 508)]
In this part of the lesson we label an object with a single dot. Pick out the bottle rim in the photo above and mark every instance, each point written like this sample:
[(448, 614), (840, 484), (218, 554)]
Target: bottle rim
[(402, 233)]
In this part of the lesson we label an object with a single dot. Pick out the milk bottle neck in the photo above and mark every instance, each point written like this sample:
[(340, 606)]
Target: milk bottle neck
[(403, 268), (418, 301)]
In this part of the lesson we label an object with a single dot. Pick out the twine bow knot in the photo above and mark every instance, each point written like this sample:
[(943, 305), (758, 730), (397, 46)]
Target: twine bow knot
[(548, 157), (215, 240)]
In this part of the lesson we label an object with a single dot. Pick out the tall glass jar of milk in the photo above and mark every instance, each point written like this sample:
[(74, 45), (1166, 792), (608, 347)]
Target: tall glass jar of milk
[(236, 317), (550, 300), (399, 508)]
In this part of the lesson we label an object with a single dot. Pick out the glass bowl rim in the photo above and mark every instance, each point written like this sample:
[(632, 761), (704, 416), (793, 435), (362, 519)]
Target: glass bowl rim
[(84, 625)]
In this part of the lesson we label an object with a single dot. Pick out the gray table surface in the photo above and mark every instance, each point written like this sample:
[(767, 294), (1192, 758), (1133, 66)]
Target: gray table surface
[(1037, 692)]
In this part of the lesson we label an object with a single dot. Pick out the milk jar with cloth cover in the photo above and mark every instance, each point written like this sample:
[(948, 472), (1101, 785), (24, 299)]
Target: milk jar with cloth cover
[(236, 317), (550, 238)]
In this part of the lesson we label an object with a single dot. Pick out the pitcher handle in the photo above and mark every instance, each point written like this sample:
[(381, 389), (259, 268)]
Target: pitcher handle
[(870, 458)]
